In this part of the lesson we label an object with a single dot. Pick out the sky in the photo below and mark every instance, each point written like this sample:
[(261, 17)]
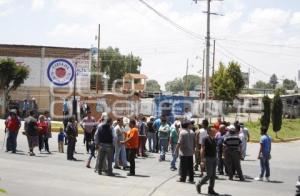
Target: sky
[(262, 35)]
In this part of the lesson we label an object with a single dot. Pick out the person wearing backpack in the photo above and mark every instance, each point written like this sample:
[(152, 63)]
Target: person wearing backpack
[(12, 126)]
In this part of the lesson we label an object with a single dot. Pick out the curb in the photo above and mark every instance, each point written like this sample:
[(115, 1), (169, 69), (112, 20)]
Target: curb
[(279, 140)]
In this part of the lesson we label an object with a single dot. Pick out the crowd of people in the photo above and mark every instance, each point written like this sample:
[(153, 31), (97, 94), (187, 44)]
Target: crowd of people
[(211, 149)]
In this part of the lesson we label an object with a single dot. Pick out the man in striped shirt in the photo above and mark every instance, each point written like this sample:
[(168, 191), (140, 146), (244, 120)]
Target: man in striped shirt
[(232, 152)]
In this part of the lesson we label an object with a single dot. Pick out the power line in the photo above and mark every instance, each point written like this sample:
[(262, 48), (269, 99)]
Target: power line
[(258, 43), (191, 33), (243, 61)]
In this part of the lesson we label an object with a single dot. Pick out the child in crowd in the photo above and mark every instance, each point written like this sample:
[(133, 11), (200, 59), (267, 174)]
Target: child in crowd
[(61, 138)]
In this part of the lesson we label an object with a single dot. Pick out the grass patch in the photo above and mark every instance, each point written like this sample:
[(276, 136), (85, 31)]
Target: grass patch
[(2, 191), (290, 129), (56, 125)]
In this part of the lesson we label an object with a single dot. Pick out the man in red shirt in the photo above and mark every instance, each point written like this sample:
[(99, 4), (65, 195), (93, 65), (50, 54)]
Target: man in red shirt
[(132, 144), (12, 126)]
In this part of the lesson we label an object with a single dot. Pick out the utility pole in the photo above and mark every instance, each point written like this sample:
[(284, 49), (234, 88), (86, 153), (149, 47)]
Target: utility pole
[(98, 62), (203, 80), (186, 78), (249, 78), (131, 61), (207, 55), (214, 59)]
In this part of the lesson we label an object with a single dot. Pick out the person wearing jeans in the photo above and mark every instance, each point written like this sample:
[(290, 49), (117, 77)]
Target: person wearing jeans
[(151, 135), (104, 142), (173, 142), (119, 148), (163, 135), (264, 155), (132, 144)]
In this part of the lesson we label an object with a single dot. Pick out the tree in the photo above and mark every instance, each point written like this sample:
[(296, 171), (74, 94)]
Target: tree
[(192, 81), (223, 85), (115, 65), (262, 85), (273, 81), (11, 77), (277, 113), (152, 86), (234, 70), (289, 84), (266, 112), (228, 82), (175, 85)]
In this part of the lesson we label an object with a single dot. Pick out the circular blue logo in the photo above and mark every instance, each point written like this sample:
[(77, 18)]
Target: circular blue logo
[(60, 72)]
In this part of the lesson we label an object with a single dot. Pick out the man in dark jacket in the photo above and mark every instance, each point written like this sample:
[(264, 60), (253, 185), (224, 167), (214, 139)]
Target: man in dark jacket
[(72, 133), (31, 131), (104, 142)]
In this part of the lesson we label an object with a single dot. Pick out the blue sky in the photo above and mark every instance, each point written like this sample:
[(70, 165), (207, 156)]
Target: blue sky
[(263, 35)]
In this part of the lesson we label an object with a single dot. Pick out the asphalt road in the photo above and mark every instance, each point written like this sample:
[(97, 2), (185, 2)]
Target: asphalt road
[(48, 175)]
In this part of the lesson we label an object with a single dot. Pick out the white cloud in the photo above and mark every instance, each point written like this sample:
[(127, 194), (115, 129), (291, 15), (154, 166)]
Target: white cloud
[(295, 19), (6, 8), (4, 2), (37, 4)]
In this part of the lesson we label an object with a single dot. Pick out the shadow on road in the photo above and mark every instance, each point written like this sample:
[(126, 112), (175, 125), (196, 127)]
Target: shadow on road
[(219, 194), (141, 176), (276, 182), (249, 160)]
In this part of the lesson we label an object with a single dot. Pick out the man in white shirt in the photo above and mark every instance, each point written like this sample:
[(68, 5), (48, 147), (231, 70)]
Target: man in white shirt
[(187, 114), (202, 135)]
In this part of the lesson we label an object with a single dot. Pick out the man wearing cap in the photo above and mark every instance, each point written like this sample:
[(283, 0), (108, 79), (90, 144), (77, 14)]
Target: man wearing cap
[(232, 152), (12, 126)]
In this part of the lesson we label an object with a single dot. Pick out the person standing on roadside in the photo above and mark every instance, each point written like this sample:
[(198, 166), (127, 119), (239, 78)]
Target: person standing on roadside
[(185, 148), (156, 125), (151, 135), (104, 142), (209, 158), (88, 124), (142, 126), (219, 137), (31, 131), (245, 137), (203, 134), (119, 130), (173, 142), (43, 133), (12, 127), (163, 135), (72, 134), (132, 144), (48, 120), (264, 155), (232, 152)]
